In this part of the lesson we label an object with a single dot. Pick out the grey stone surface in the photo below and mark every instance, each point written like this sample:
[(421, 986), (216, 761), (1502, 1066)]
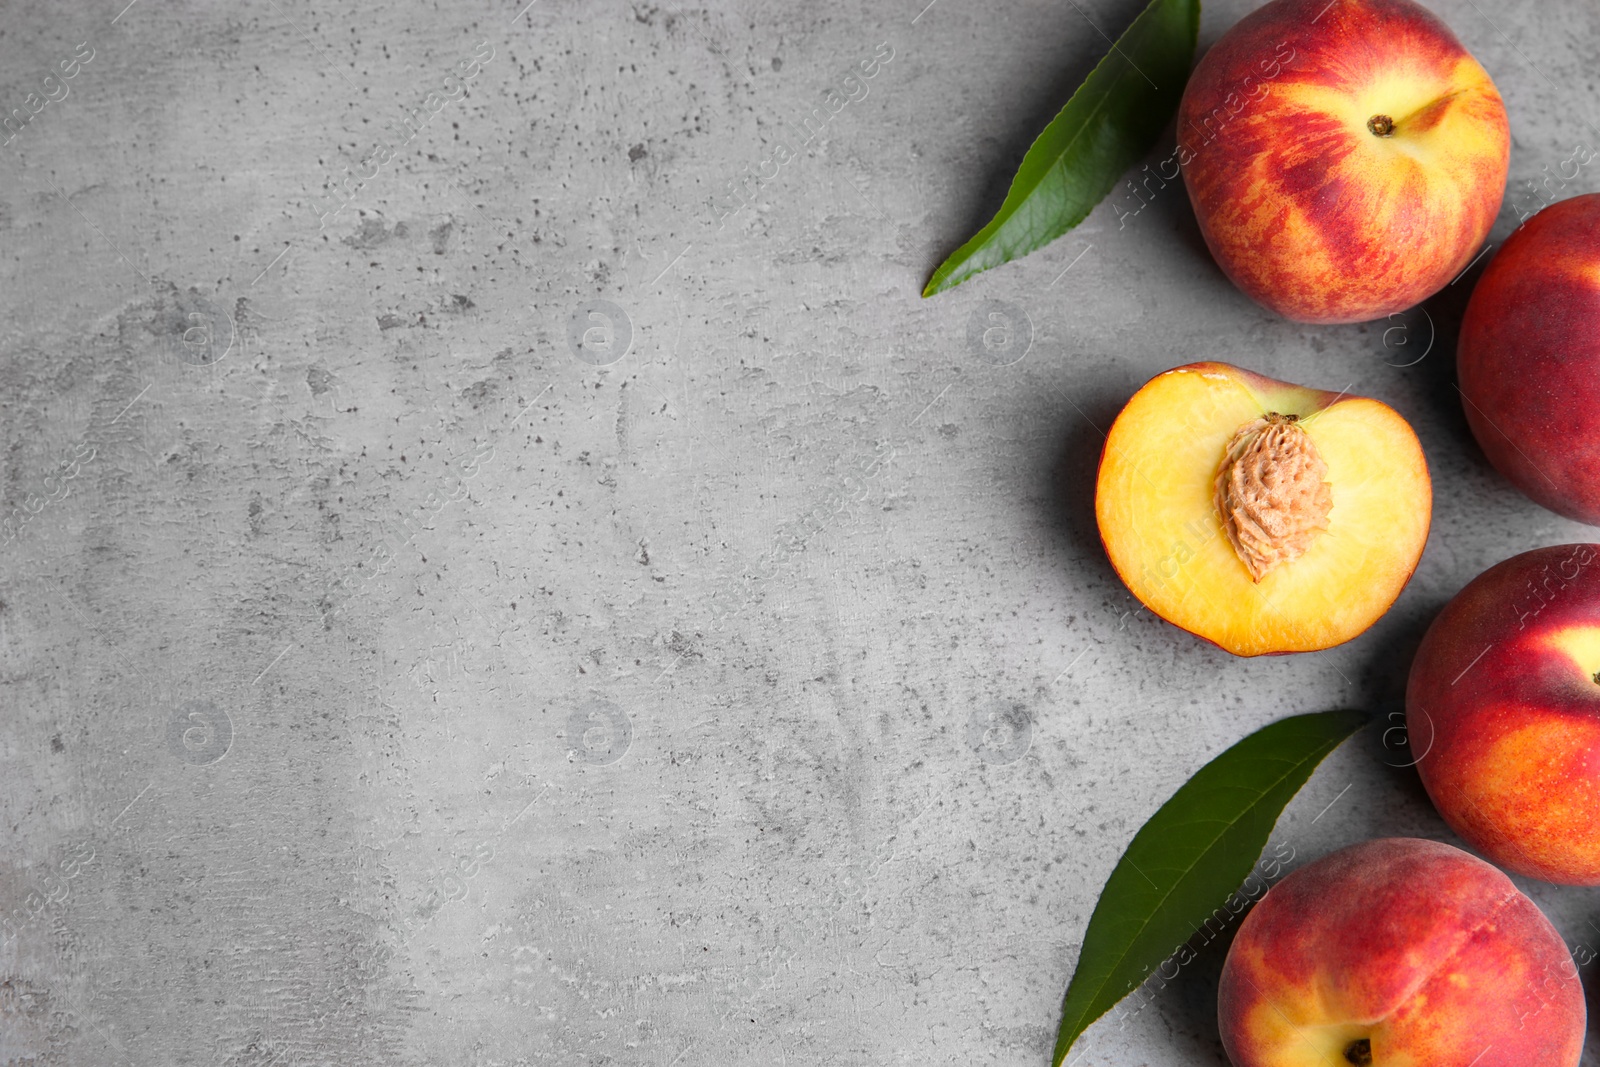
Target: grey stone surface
[(540, 614)]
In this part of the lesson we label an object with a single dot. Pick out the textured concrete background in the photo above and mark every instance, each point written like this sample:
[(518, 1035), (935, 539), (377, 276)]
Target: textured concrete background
[(548, 611)]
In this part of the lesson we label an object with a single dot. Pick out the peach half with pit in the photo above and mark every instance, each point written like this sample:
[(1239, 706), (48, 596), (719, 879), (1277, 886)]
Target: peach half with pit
[(1262, 516)]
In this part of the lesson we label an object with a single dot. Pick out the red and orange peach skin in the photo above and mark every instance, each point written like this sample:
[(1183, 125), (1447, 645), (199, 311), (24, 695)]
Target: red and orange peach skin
[(1503, 713), (1399, 953), (1529, 358), (1346, 160)]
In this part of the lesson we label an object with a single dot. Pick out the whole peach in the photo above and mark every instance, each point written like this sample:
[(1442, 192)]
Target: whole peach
[(1399, 953), (1503, 713), (1345, 160), (1529, 358)]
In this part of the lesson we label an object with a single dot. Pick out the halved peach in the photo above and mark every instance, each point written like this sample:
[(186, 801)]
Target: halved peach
[(1262, 516)]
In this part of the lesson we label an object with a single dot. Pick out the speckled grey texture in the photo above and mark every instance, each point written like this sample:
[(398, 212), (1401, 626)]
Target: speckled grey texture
[(576, 603)]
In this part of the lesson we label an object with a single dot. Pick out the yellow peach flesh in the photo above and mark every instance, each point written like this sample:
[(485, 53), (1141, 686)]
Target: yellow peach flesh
[(1154, 503)]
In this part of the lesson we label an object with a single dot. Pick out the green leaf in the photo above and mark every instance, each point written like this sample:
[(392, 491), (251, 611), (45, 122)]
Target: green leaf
[(1190, 857), (1109, 124)]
